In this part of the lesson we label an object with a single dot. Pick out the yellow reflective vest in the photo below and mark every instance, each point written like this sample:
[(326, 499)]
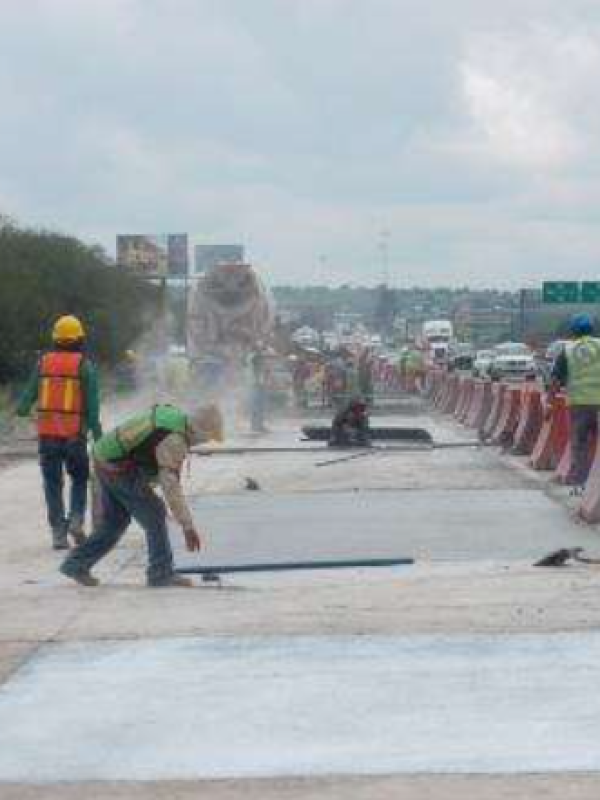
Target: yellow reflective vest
[(583, 363)]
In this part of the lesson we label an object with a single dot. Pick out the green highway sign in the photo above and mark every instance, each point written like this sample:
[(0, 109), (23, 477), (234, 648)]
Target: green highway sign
[(561, 292), (590, 292)]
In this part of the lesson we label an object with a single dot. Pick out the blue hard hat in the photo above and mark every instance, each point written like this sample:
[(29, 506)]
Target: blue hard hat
[(581, 325)]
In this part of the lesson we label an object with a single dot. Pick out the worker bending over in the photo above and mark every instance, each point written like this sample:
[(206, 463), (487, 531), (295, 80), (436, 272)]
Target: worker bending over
[(577, 369), (64, 387), (147, 449), (350, 426)]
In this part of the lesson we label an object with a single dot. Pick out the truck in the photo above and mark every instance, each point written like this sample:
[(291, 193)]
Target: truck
[(437, 335)]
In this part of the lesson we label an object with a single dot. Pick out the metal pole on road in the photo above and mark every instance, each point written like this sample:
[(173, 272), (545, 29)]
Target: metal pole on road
[(288, 566)]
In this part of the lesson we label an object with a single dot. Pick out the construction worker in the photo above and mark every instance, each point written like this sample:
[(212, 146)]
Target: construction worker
[(350, 426), (64, 387), (149, 448), (577, 369)]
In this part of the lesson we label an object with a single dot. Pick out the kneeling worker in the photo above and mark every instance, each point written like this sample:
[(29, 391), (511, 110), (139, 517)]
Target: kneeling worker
[(350, 426), (149, 448)]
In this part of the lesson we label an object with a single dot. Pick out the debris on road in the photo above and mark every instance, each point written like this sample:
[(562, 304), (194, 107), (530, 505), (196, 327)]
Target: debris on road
[(559, 558)]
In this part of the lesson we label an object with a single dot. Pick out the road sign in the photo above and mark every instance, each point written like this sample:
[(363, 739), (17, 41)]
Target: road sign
[(590, 292), (561, 292)]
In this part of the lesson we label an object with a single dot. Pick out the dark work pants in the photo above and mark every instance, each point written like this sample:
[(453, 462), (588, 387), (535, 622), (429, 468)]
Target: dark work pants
[(123, 496), (58, 456), (584, 429)]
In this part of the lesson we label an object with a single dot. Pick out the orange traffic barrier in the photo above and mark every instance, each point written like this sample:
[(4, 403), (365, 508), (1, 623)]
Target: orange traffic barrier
[(564, 470), (530, 423), (481, 404), (476, 397), (589, 508), (464, 402), (451, 398), (441, 388), (457, 386), (444, 392), (554, 436), (508, 420), (430, 384), (489, 425)]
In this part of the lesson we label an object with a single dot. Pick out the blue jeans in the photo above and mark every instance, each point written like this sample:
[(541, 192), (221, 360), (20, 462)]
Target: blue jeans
[(56, 457), (123, 496)]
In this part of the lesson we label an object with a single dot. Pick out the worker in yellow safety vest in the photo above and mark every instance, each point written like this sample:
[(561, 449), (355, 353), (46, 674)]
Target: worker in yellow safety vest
[(577, 370)]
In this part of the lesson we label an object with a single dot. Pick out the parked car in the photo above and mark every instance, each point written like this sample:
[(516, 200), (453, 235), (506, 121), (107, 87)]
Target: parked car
[(513, 360), (482, 363)]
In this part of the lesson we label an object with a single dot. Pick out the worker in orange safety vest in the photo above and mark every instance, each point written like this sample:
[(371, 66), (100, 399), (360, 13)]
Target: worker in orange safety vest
[(64, 389)]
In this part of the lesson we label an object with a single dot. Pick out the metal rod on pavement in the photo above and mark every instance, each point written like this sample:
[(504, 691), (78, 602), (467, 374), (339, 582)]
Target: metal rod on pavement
[(287, 566), (343, 459), (390, 448)]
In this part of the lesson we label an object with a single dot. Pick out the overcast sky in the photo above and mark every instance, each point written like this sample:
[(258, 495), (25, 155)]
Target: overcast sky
[(462, 136)]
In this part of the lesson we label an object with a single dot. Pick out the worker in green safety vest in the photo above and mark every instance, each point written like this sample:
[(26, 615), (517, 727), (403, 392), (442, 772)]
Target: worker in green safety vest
[(577, 370), (149, 448)]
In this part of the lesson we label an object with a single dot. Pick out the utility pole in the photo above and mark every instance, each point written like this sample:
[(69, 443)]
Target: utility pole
[(522, 313), (384, 251)]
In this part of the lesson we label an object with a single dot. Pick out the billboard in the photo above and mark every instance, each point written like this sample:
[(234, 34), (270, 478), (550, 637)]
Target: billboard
[(163, 255), (207, 255)]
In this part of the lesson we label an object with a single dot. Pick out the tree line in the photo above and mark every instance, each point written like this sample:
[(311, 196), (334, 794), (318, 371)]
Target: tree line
[(44, 275)]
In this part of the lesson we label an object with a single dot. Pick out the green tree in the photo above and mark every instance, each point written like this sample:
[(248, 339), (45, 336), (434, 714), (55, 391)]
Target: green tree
[(44, 275)]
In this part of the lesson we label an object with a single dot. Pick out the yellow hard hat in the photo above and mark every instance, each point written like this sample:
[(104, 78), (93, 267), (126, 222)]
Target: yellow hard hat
[(68, 329)]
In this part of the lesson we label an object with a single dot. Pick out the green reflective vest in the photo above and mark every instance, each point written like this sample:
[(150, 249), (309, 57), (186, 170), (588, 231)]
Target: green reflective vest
[(139, 432), (583, 362)]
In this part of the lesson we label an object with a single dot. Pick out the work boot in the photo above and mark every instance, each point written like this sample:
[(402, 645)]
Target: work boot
[(81, 576), (76, 531), (59, 539), (171, 581)]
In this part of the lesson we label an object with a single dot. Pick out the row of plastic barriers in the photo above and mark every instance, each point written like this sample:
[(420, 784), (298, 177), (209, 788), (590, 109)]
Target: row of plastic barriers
[(519, 419)]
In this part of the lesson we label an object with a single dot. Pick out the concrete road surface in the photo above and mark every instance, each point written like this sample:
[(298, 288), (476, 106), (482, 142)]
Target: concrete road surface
[(468, 675)]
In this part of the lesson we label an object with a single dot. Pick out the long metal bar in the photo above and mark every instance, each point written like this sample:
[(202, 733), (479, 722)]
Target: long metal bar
[(286, 566), (324, 448), (343, 459)]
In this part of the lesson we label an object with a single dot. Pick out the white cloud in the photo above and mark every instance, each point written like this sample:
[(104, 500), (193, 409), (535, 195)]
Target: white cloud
[(525, 94), (468, 129)]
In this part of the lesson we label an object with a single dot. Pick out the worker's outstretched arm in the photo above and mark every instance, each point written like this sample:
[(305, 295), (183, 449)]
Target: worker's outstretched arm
[(170, 455)]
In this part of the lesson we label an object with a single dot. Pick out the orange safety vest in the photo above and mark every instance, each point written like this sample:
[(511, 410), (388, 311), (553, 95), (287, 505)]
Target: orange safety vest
[(60, 398)]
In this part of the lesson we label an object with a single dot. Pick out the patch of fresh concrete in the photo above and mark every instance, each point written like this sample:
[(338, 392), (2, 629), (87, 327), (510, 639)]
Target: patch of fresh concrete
[(458, 525), (277, 706)]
